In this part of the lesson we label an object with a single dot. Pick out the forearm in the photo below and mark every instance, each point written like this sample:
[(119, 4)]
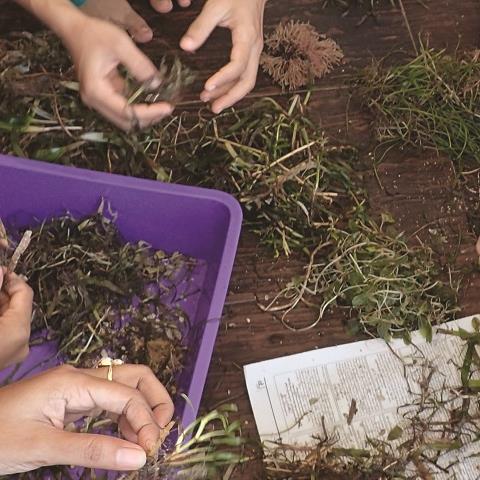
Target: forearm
[(61, 16)]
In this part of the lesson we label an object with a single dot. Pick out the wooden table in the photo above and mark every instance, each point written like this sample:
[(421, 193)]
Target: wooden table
[(419, 189)]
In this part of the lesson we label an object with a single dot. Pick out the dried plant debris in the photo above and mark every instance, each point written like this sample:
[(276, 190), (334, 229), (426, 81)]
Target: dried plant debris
[(172, 81), (20, 250), (25, 52), (296, 55), (438, 430), (431, 102), (97, 295)]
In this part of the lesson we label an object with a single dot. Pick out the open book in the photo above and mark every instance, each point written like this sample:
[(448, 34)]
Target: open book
[(364, 390)]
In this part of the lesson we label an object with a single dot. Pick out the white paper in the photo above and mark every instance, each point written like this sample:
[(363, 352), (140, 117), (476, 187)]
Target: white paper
[(296, 397)]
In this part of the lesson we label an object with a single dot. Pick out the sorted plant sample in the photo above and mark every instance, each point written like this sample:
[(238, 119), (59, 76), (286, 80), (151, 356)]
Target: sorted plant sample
[(174, 79), (296, 54), (278, 165), (436, 437), (433, 101), (98, 296), (389, 288)]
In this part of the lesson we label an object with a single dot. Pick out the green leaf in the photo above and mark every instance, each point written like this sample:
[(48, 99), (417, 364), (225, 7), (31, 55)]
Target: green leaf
[(360, 300), (49, 154), (476, 324), (395, 433), (426, 329), (383, 331)]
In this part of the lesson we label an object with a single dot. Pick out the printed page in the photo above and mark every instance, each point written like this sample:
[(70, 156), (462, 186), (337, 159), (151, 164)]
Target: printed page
[(355, 391)]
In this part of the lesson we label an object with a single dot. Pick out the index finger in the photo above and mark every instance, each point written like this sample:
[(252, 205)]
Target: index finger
[(120, 399), (142, 378), (239, 58)]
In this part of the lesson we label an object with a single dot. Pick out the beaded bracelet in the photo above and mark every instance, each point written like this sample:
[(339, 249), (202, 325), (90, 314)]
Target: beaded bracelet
[(78, 3)]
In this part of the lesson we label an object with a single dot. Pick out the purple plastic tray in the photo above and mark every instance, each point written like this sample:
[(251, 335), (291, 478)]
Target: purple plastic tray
[(201, 223)]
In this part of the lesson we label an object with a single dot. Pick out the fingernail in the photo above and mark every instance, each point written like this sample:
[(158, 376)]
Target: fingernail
[(210, 88), (187, 43), (131, 458), (154, 83)]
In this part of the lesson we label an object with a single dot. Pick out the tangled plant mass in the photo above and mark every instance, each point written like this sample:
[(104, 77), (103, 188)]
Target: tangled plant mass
[(296, 54)]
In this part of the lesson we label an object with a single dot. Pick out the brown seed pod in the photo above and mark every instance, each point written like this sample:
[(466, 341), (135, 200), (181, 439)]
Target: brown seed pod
[(296, 54)]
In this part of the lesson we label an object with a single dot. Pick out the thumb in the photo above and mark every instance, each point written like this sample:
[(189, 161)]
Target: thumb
[(93, 451), (201, 28)]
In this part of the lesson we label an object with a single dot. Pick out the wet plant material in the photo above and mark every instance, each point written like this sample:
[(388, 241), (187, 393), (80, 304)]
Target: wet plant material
[(436, 437), (97, 295), (173, 79), (296, 55), (431, 102), (388, 287)]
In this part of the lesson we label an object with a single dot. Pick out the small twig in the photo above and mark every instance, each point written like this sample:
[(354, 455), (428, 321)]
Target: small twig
[(407, 24), (20, 250)]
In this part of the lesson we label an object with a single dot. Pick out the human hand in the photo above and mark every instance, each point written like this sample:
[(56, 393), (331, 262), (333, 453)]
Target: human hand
[(33, 414), (245, 19), (16, 299), (121, 13), (98, 48)]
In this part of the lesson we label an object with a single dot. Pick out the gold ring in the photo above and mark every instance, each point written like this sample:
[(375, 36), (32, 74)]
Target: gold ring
[(110, 363)]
